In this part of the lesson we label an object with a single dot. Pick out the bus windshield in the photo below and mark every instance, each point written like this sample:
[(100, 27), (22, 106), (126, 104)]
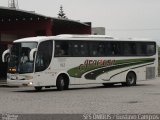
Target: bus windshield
[(19, 58)]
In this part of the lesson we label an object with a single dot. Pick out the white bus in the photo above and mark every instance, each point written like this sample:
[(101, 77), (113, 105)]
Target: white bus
[(65, 60)]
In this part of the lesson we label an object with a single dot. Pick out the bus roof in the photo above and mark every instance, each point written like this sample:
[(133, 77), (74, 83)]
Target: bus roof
[(77, 37)]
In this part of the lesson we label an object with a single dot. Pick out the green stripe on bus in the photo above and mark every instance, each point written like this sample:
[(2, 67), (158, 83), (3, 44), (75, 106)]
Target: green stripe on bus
[(77, 73)]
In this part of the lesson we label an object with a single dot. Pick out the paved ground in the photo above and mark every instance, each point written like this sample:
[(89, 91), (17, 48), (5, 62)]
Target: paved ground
[(143, 98)]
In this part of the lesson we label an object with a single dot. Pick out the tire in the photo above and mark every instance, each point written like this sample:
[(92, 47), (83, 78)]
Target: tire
[(62, 83), (131, 79), (38, 88)]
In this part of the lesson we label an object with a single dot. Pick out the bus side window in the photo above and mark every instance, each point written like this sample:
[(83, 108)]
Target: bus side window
[(129, 49), (97, 49), (84, 49), (101, 49), (62, 48), (93, 49), (75, 50), (79, 49), (116, 49), (108, 49), (151, 49), (133, 48), (58, 50), (141, 48)]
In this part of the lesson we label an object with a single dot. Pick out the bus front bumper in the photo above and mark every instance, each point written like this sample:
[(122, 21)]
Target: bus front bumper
[(20, 83), (20, 80)]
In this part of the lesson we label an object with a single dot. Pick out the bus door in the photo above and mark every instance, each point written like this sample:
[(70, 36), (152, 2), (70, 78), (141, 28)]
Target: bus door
[(43, 60)]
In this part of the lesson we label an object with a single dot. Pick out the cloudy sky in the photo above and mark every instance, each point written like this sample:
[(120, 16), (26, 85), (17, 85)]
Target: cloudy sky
[(121, 18)]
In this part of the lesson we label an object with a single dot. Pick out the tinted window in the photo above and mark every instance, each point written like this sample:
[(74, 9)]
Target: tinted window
[(80, 48), (62, 48), (115, 48), (151, 48), (141, 49), (97, 49), (44, 56), (71, 48), (129, 49), (103, 48)]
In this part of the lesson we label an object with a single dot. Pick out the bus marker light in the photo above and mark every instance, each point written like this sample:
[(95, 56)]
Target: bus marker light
[(30, 83)]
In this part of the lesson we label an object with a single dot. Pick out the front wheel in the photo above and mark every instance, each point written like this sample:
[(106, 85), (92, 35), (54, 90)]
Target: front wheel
[(62, 83), (131, 79)]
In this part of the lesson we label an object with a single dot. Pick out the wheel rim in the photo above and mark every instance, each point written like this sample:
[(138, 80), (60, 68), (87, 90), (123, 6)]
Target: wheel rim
[(62, 82), (131, 79)]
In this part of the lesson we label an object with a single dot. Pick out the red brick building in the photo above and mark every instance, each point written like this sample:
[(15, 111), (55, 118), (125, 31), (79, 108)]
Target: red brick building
[(15, 24)]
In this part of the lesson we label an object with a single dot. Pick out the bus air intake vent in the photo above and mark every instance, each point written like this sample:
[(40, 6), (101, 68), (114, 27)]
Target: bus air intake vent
[(150, 72)]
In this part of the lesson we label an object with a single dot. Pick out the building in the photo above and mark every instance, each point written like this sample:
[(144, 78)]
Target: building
[(15, 24), (98, 31)]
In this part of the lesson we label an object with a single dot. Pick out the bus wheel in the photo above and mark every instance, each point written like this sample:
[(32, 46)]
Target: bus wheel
[(38, 88), (62, 82), (131, 79)]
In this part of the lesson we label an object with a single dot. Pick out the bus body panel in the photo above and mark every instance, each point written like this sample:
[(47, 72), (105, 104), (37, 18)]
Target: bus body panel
[(84, 70)]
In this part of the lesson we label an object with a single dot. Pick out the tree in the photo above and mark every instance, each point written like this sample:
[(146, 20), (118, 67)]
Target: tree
[(61, 13)]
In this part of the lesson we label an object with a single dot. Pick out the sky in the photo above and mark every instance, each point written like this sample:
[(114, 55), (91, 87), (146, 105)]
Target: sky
[(121, 18)]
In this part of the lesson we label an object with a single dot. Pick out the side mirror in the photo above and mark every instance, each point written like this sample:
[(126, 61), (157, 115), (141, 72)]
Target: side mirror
[(4, 55), (31, 54)]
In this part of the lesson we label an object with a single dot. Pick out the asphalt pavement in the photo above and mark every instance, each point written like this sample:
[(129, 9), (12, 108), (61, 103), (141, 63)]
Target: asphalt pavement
[(140, 99)]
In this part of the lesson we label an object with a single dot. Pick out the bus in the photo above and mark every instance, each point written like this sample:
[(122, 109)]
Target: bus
[(63, 60)]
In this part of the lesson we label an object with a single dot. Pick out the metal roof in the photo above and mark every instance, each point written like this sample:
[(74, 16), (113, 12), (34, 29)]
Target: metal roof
[(18, 14), (79, 37)]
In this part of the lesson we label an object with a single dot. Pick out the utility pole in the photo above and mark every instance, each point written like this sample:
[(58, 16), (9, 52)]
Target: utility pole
[(13, 4)]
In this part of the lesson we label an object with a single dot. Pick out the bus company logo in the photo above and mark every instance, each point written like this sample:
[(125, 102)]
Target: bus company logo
[(96, 63)]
